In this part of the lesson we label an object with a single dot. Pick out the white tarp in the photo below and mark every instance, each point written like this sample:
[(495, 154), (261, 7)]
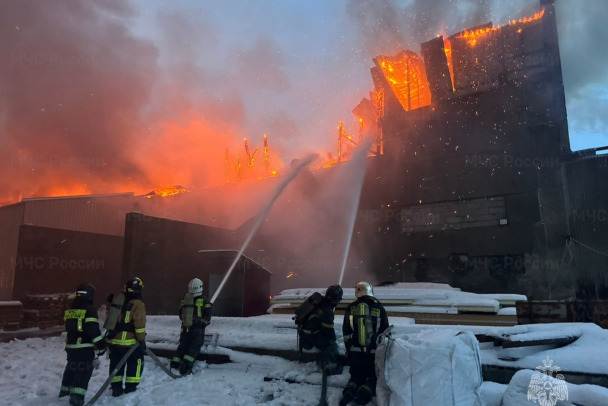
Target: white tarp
[(436, 367), (529, 387)]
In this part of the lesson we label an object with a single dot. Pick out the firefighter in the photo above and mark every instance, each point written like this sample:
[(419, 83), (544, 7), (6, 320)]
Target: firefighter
[(317, 330), (364, 320), (82, 339), (195, 315), (129, 330)]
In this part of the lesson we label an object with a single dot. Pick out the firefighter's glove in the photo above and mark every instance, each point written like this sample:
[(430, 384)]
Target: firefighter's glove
[(142, 346)]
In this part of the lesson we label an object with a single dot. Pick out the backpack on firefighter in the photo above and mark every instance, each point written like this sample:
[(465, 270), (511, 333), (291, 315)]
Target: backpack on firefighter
[(365, 322), (303, 313), (113, 315), (364, 318), (186, 314)]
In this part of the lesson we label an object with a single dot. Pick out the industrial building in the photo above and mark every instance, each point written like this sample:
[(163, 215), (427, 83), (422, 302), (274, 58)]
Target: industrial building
[(472, 182)]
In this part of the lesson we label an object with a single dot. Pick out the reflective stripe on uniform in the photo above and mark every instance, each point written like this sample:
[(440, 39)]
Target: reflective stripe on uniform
[(91, 320), (140, 330), (77, 314), (137, 377), (98, 338), (176, 359), (117, 378), (188, 358), (74, 346), (362, 335), (199, 311), (128, 343), (78, 391)]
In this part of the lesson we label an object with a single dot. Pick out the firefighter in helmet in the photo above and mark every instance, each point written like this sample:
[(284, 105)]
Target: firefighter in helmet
[(195, 315), (82, 339), (318, 330), (364, 320), (129, 330)]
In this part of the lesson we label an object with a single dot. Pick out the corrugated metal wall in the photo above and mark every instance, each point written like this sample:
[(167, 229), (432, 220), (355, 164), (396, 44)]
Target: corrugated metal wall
[(587, 198), (103, 214), (11, 217)]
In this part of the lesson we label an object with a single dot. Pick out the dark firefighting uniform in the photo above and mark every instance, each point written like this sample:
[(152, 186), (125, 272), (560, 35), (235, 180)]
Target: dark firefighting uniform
[(318, 331), (83, 336), (129, 331), (362, 382), (192, 338)]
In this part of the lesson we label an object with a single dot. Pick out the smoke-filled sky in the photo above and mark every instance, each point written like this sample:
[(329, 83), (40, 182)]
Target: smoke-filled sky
[(112, 96)]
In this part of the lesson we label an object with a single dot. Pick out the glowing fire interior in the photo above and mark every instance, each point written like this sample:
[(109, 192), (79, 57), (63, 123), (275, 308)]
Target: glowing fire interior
[(167, 191), (407, 77)]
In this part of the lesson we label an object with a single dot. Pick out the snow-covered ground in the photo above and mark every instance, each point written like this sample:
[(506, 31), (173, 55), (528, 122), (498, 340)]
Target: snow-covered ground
[(32, 368)]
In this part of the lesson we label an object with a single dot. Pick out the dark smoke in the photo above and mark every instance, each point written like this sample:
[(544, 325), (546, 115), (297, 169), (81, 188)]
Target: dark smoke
[(72, 84)]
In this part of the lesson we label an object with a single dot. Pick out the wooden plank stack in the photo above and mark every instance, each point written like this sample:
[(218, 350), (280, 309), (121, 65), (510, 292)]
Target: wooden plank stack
[(562, 311), (11, 315), (425, 303), (44, 311)]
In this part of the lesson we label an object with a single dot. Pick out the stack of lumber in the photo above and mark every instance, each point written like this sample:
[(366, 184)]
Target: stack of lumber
[(44, 311), (562, 311), (425, 303), (11, 315)]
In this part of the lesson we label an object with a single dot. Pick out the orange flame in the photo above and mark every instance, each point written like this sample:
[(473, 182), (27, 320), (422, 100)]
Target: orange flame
[(167, 191), (406, 75), (473, 35)]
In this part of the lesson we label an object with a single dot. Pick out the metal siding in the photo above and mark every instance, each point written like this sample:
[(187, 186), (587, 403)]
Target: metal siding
[(588, 205), (103, 214), (10, 220)]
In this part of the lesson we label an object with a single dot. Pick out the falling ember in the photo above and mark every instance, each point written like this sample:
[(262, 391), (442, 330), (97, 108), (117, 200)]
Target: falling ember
[(473, 35), (290, 275)]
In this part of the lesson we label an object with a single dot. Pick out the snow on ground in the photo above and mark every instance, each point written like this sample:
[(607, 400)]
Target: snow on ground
[(32, 368)]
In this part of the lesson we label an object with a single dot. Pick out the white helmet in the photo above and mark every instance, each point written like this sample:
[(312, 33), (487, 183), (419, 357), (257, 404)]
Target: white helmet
[(195, 286), (363, 289)]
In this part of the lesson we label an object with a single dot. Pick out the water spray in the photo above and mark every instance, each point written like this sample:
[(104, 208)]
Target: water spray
[(359, 160), (307, 161)]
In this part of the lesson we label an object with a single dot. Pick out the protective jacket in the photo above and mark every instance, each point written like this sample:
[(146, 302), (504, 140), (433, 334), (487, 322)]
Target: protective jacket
[(364, 320), (318, 329), (82, 326), (201, 312), (131, 326)]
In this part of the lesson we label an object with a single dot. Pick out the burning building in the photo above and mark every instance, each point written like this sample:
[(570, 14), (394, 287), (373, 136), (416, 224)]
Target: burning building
[(472, 182), (467, 185)]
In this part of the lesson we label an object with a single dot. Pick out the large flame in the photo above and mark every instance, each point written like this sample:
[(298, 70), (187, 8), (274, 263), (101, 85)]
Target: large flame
[(407, 77)]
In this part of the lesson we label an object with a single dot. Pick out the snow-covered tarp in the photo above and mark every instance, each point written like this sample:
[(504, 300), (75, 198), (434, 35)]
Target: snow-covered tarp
[(437, 367), (534, 387)]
